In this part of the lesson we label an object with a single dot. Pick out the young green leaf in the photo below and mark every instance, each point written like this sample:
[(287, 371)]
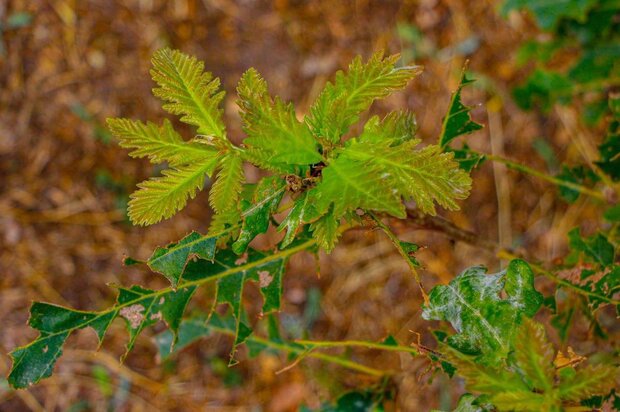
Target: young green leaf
[(160, 144), (397, 127), (325, 231), (189, 91), (228, 184), (161, 197), (340, 103), (457, 121), (275, 136), (360, 175), (485, 323), (294, 219)]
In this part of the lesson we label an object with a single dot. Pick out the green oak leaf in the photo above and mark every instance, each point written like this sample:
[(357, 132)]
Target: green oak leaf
[(138, 306), (485, 322), (170, 261)]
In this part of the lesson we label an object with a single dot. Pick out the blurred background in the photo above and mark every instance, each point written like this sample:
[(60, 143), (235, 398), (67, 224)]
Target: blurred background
[(67, 65)]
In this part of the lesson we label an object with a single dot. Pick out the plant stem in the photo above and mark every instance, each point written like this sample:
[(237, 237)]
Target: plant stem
[(358, 343), (402, 251), (289, 348), (541, 175)]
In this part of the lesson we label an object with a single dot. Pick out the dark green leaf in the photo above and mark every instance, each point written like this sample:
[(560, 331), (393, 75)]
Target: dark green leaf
[(256, 215), (595, 248), (139, 307), (170, 261), (549, 13), (457, 121)]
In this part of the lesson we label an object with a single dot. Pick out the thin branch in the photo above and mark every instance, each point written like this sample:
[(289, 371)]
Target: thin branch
[(439, 224), (551, 179), (402, 251)]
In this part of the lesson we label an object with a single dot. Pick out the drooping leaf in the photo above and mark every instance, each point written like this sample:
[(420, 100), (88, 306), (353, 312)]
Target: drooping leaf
[(325, 231), (256, 215), (224, 193), (294, 219), (170, 261), (189, 91), (253, 265), (340, 103), (139, 307), (359, 176), (275, 136), (161, 197), (485, 323), (457, 121), (160, 144)]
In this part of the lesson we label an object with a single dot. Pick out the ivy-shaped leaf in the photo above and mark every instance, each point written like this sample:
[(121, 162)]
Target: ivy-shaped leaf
[(485, 323)]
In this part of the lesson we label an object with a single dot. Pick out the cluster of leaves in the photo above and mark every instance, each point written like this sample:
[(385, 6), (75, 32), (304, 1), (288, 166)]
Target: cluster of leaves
[(585, 33), (331, 172), (327, 177)]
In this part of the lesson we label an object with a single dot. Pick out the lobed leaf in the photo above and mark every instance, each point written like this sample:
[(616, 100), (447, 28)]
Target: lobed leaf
[(189, 91), (534, 355), (228, 184), (588, 382), (276, 139), (161, 197), (160, 144), (340, 103), (485, 323), (360, 175), (138, 306)]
